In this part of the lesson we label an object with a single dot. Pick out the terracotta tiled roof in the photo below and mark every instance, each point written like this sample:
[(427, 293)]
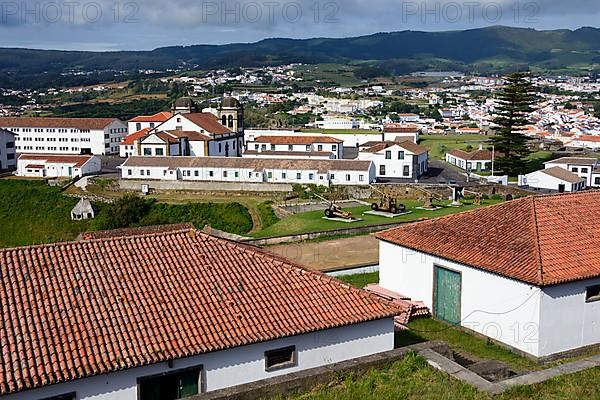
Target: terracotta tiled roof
[(191, 135), (208, 122), (541, 240), (81, 309), (401, 129), (477, 155), (130, 139), (297, 139), (588, 138), (563, 174), (158, 117), (255, 164), (574, 161), (45, 122), (143, 230), (76, 160)]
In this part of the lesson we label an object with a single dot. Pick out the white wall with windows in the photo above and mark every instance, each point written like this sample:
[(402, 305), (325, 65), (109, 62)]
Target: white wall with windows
[(227, 368), (70, 140)]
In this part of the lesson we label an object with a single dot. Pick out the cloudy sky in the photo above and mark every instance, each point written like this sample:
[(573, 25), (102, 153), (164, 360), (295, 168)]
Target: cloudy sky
[(147, 24)]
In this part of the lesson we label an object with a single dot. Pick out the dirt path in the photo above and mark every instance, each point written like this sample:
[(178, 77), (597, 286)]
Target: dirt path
[(333, 253)]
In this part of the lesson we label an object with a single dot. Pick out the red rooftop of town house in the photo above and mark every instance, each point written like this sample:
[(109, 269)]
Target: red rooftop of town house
[(158, 117), (541, 240)]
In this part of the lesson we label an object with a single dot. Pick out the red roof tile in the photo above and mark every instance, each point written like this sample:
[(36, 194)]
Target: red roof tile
[(376, 147), (46, 122), (130, 139), (477, 155), (208, 122), (80, 309), (542, 240), (76, 160), (158, 117)]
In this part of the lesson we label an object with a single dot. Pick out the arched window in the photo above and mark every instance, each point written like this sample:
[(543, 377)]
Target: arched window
[(231, 121), (224, 120)]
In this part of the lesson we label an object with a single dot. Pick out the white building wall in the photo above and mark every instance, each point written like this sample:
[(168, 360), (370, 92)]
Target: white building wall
[(582, 171), (394, 168), (71, 141), (217, 148), (236, 366), (540, 180), (503, 309), (567, 322), (8, 157)]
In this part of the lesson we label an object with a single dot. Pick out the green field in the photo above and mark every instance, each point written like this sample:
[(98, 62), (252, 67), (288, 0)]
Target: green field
[(32, 212), (439, 145), (413, 379), (313, 221)]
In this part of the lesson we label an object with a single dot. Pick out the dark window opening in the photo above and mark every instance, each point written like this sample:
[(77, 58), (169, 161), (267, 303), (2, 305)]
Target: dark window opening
[(280, 358), (170, 386), (592, 294), (67, 396)]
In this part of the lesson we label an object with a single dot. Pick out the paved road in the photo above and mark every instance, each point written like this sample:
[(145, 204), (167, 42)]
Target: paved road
[(442, 172)]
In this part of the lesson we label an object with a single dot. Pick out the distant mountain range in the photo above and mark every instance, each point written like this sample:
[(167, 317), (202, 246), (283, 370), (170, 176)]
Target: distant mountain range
[(493, 49)]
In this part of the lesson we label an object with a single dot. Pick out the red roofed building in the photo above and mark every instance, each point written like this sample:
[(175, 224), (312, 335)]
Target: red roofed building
[(302, 146), (57, 165), (148, 121), (171, 314), (525, 273), (130, 144), (478, 160)]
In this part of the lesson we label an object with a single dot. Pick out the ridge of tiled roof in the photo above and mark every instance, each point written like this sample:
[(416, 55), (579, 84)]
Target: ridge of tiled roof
[(56, 122), (79, 309), (542, 240)]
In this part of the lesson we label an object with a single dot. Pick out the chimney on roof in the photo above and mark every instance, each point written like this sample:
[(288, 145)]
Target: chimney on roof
[(480, 146)]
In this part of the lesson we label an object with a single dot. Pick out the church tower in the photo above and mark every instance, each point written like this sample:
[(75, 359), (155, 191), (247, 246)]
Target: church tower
[(231, 114)]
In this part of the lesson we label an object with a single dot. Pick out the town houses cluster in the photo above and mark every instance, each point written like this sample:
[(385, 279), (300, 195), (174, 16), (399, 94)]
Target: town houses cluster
[(188, 144)]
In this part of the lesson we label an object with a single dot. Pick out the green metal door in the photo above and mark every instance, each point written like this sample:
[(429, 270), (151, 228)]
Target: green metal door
[(447, 295)]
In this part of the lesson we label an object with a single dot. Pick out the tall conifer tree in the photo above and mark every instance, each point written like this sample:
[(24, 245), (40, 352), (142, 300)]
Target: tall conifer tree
[(516, 102)]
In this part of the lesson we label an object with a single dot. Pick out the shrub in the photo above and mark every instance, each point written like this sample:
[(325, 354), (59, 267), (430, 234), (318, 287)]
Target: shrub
[(267, 214)]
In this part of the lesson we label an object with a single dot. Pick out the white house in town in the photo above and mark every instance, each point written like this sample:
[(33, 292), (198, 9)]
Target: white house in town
[(178, 143), (555, 178), (337, 123), (400, 133), (476, 161), (408, 117), (172, 314), (8, 155), (249, 170), (584, 167), (587, 141), (400, 160), (147, 121), (98, 136), (319, 147), (57, 165), (525, 273)]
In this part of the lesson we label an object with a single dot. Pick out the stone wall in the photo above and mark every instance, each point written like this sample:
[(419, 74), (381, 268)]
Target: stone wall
[(136, 185)]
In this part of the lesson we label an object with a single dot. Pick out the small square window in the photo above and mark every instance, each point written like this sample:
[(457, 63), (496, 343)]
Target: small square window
[(280, 358), (592, 294), (388, 155)]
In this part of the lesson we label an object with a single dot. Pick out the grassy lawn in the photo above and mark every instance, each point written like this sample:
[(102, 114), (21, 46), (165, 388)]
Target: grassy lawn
[(32, 212), (413, 379), (313, 221), (360, 280), (439, 145)]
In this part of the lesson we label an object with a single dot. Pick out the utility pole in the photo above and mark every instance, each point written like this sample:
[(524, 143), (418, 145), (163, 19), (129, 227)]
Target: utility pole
[(493, 154)]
